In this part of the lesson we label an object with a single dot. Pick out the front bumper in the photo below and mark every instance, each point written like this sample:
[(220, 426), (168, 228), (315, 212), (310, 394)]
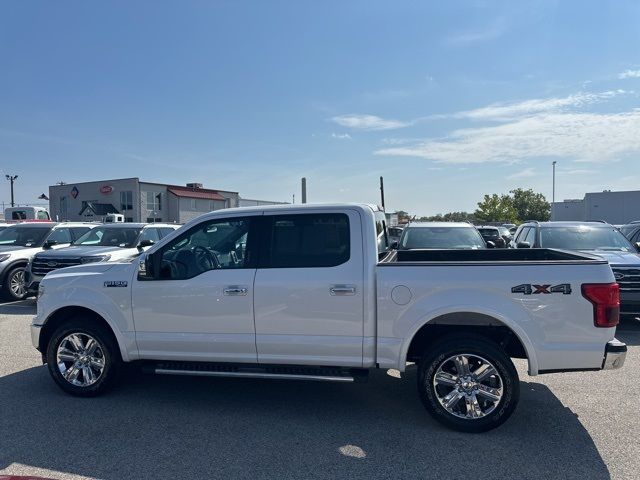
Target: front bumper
[(614, 355)]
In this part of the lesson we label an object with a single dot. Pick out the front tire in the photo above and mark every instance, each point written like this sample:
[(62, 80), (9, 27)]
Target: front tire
[(15, 287), (83, 358), (468, 383)]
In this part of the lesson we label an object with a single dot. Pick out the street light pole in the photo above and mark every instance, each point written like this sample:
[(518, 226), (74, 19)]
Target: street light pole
[(553, 192), (12, 178)]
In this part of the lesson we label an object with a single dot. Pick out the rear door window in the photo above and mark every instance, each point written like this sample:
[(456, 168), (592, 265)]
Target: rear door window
[(306, 241), (60, 236)]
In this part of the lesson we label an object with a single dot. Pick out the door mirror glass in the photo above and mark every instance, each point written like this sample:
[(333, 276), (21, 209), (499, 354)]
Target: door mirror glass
[(524, 245), (637, 244), (490, 244)]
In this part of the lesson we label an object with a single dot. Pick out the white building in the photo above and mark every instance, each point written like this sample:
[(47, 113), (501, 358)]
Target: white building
[(613, 207), (138, 201)]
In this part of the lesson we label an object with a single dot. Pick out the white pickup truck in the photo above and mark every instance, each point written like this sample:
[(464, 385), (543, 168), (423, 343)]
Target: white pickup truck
[(313, 292)]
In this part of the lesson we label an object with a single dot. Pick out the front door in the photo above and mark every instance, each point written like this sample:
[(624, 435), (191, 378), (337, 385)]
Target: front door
[(309, 289), (197, 304)]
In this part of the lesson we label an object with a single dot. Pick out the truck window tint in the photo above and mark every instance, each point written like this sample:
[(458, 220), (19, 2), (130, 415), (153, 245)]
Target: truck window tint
[(213, 245), (310, 240)]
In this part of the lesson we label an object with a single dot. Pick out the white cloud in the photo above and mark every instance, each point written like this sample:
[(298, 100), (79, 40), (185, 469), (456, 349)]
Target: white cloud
[(368, 122), (526, 173), (506, 111), (341, 136), (589, 137), (629, 74)]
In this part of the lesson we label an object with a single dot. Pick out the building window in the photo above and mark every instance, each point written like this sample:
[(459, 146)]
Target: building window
[(154, 202), (126, 200), (192, 204), (128, 219), (153, 219)]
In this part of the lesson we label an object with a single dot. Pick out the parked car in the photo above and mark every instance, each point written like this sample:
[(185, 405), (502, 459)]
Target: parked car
[(107, 242), (20, 241), (492, 234), (441, 235), (631, 231), (298, 292), (598, 238), (394, 233)]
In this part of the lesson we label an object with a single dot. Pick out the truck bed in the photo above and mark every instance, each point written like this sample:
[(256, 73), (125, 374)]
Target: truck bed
[(490, 256)]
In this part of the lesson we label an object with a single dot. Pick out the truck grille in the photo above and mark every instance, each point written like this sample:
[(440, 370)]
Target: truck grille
[(628, 279), (42, 266)]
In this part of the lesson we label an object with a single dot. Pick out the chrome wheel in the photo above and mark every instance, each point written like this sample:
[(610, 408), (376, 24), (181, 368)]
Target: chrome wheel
[(468, 386), (17, 284), (80, 359)]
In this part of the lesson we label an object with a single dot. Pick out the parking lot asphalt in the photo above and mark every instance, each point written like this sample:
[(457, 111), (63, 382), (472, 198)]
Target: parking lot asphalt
[(567, 426)]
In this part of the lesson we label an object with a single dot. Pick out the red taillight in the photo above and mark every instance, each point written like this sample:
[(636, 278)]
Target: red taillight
[(605, 298)]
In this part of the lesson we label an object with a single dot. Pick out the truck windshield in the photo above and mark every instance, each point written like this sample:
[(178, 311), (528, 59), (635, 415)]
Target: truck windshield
[(441, 237), (110, 237), (584, 238), (23, 236)]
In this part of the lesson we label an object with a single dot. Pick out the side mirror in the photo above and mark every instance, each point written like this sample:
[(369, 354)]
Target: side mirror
[(145, 267), (394, 246), (48, 244), (145, 243), (637, 244), (490, 244), (523, 245)]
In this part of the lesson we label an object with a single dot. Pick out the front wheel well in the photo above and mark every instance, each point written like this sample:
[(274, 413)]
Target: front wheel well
[(473, 323), (65, 314)]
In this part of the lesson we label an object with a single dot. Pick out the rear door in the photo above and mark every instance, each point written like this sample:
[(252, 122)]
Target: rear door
[(309, 289)]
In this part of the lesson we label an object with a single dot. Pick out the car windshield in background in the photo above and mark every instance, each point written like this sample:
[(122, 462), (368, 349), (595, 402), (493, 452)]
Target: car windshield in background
[(504, 231), (110, 237), (584, 238), (23, 236), (441, 237)]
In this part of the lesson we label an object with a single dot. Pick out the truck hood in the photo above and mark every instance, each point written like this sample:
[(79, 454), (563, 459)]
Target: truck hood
[(618, 258), (83, 270), (87, 251)]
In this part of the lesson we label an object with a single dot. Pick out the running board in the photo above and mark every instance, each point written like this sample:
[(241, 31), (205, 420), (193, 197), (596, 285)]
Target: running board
[(283, 372)]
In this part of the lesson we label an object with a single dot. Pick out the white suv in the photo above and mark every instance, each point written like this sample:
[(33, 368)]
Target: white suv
[(21, 241)]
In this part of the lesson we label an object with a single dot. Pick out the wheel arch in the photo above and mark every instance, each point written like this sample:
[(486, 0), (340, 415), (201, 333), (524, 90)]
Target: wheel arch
[(21, 262), (506, 334), (63, 314)]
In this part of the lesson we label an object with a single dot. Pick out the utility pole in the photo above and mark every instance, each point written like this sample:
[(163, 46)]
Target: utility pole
[(553, 191), (304, 190), (382, 192), (12, 178)]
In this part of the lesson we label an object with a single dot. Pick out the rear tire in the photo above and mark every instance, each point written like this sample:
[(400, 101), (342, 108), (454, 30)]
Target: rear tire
[(468, 383), (83, 357)]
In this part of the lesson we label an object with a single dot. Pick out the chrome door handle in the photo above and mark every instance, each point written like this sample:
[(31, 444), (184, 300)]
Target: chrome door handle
[(235, 290), (342, 290)]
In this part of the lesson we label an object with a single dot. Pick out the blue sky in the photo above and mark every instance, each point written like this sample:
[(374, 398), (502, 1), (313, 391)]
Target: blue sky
[(447, 100)]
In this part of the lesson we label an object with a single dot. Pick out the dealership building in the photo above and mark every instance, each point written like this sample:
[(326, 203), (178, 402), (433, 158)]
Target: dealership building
[(614, 207), (138, 201)]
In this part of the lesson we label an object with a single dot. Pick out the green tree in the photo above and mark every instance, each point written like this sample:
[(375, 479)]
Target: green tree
[(530, 205), (496, 208)]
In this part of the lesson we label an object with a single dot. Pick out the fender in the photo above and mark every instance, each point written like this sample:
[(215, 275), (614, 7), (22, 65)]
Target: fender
[(431, 307), (126, 340), (86, 289)]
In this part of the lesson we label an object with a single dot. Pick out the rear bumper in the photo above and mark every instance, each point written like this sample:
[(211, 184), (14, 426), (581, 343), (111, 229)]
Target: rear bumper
[(615, 354)]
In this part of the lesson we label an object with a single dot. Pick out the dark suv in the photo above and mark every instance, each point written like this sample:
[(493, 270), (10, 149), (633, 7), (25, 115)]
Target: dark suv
[(599, 238)]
